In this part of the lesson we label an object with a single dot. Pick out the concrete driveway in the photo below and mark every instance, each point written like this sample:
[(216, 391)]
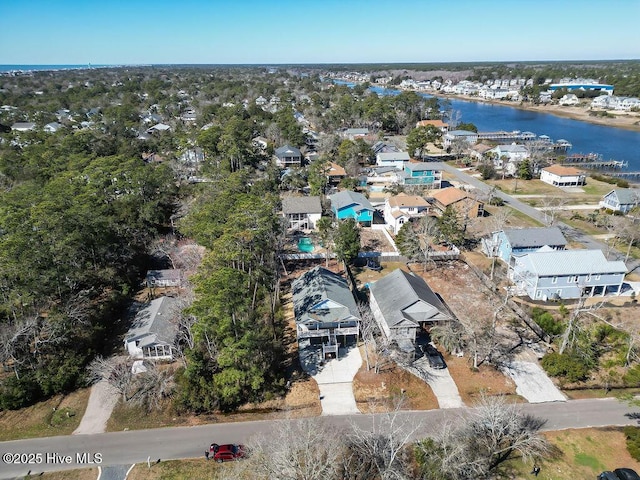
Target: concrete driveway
[(532, 382), (334, 377), (440, 381)]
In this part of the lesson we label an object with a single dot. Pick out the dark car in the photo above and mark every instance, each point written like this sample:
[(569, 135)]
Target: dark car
[(229, 451), (434, 357), (626, 474), (608, 476)]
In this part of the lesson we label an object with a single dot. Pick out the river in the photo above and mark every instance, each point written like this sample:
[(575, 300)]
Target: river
[(610, 142)]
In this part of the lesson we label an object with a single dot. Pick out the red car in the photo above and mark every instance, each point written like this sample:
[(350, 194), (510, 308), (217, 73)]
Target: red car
[(229, 451)]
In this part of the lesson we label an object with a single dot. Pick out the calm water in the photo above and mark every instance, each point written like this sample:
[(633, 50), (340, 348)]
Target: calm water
[(612, 143), (25, 68)]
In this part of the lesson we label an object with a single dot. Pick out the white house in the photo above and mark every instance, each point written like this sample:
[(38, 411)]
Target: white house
[(569, 99), (301, 213), (561, 176), (52, 127), (451, 136), (621, 199), (392, 159), (153, 331), (400, 208), (508, 156)]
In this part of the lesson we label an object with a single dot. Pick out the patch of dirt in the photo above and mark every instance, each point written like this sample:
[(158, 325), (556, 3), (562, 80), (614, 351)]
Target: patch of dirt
[(375, 392), (486, 380), (462, 291), (374, 241)]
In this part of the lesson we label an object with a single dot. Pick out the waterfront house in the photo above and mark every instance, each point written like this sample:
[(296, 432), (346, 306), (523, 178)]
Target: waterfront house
[(439, 124), (520, 241), (153, 331), (288, 156), (325, 310), (301, 213), (566, 274), (400, 208), (465, 204), (561, 176), (348, 204), (392, 159), (402, 303), (569, 99), (450, 137), (422, 173), (508, 156), (621, 199)]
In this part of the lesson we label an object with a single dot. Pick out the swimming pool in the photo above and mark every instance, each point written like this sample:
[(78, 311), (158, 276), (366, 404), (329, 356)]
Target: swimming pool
[(305, 244)]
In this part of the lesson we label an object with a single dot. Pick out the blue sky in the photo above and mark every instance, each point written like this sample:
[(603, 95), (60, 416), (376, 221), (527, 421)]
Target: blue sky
[(313, 31)]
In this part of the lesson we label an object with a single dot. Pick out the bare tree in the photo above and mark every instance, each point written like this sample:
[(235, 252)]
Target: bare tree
[(381, 450), (307, 449), (478, 444), (428, 231), (551, 206), (628, 230)]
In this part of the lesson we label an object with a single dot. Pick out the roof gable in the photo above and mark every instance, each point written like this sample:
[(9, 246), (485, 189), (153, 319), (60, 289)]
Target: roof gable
[(402, 296), (347, 198)]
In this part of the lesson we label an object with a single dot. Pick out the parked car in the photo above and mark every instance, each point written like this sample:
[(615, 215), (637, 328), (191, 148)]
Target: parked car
[(228, 451), (608, 476), (626, 474), (434, 357)]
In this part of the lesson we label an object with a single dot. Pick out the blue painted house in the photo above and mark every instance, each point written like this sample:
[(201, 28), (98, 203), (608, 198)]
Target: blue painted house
[(348, 204), (520, 241), (556, 274), (422, 173)]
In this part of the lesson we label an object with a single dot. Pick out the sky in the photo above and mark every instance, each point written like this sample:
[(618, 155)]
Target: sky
[(126, 32)]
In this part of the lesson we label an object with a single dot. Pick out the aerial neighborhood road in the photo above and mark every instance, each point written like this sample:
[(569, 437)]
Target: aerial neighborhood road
[(122, 448)]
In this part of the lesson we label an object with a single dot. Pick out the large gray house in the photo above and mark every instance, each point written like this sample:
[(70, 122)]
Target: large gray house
[(556, 274), (325, 310), (402, 303)]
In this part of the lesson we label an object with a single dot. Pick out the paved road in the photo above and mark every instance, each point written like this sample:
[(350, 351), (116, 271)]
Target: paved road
[(568, 231), (121, 448)]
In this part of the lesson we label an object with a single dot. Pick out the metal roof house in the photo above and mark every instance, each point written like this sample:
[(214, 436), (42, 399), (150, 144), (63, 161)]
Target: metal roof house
[(324, 309), (402, 303), (520, 241), (153, 332), (557, 274)]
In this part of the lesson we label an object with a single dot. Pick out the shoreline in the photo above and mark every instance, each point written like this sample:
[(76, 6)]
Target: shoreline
[(626, 121)]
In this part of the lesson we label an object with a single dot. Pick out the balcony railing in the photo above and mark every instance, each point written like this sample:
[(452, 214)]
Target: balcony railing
[(326, 332)]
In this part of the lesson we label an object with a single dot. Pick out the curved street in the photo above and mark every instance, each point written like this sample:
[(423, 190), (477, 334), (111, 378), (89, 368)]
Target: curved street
[(126, 448)]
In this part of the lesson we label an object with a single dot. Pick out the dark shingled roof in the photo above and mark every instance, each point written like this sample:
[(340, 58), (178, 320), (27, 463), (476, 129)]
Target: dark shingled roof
[(320, 295), (535, 237), (401, 295)]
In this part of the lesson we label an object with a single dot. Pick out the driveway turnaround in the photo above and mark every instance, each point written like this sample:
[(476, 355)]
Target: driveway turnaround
[(440, 381), (334, 377), (532, 382)]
